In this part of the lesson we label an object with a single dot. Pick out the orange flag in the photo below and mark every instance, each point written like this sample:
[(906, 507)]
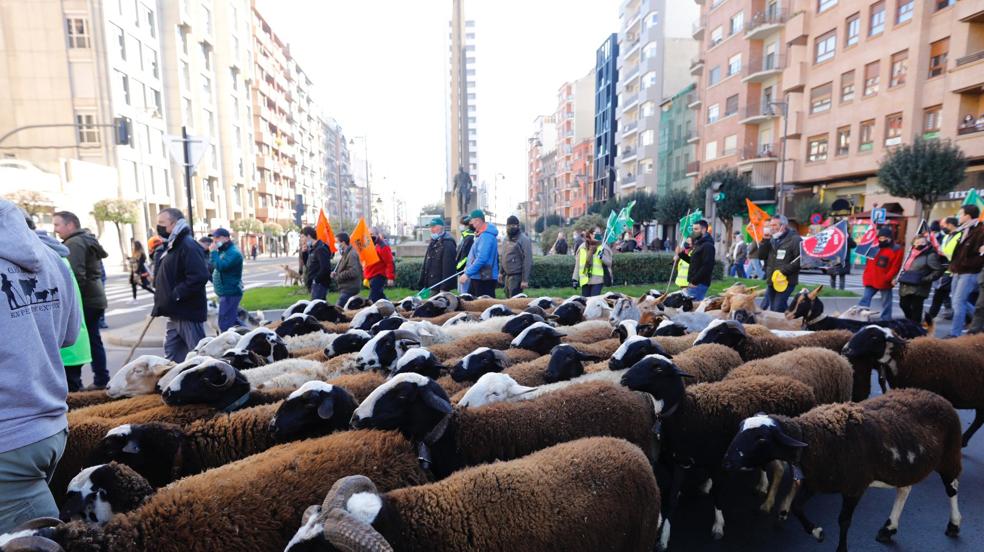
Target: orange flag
[(757, 219), (362, 242), (324, 232)]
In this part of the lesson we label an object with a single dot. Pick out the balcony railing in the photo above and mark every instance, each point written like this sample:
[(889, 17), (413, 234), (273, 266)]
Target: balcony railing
[(760, 22), (628, 152), (971, 127), (693, 167), (696, 66), (697, 28), (628, 179), (970, 58), (629, 99), (767, 152), (689, 135), (759, 109), (763, 66), (630, 126)]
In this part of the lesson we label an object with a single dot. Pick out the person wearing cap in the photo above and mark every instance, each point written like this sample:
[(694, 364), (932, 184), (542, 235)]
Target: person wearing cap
[(515, 258), (382, 273), (348, 271), (439, 260), (482, 268), (782, 257), (880, 272), (590, 265), (467, 239), (227, 277)]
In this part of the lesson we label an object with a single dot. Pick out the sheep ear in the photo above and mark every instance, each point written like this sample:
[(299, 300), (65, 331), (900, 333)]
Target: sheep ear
[(815, 293), (326, 409), (435, 402), (789, 441)]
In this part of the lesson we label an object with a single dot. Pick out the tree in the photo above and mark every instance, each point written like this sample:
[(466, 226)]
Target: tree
[(734, 189), (119, 212), (807, 207), (33, 203), (587, 222), (645, 205), (247, 226), (548, 237), (672, 206), (273, 231), (549, 220), (433, 209), (924, 171)]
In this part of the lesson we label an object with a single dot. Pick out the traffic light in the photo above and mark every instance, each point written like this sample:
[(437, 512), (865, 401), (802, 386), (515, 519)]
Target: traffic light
[(122, 130), (298, 208), (718, 197)]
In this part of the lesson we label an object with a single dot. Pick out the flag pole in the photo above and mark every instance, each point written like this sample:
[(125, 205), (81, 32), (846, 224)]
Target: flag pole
[(677, 261)]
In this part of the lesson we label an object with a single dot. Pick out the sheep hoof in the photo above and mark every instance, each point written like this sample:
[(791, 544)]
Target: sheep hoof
[(717, 534), (952, 530), (817, 533), (766, 507), (783, 516), (885, 535)]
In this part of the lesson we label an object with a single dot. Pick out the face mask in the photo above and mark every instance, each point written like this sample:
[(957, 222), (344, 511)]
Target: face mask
[(435, 236), (513, 231), (162, 232), (919, 247), (885, 243)]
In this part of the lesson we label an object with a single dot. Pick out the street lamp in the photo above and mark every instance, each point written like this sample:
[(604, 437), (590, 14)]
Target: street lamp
[(780, 204)]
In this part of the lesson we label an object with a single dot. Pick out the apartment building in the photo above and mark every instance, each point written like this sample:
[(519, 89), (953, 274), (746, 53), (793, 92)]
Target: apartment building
[(462, 89), (541, 144), (606, 124), (307, 129), (856, 79), (582, 168), (653, 56), (677, 134), (574, 120)]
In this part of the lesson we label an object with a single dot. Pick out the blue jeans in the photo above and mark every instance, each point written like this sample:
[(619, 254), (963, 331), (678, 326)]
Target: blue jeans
[(376, 285), (591, 290), (318, 291), (776, 301), (24, 476), (479, 288), (229, 312), (755, 268), (886, 300), (697, 292), (100, 375), (737, 269), (963, 286), (343, 297)]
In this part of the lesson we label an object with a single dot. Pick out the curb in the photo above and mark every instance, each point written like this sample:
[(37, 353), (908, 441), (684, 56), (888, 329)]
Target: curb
[(128, 341)]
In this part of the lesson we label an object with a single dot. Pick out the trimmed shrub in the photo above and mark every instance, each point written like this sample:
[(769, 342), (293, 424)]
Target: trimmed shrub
[(556, 270)]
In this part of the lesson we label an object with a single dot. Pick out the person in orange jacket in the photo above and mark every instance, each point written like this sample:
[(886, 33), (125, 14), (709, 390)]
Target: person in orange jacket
[(880, 272)]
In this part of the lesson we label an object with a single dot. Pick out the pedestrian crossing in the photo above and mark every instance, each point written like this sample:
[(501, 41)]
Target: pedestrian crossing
[(120, 297)]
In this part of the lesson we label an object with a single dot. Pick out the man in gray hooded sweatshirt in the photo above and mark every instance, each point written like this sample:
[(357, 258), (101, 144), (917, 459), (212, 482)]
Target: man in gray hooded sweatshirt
[(39, 315)]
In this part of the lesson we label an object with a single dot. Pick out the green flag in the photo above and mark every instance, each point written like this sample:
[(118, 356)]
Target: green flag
[(687, 223), (621, 222), (973, 198)]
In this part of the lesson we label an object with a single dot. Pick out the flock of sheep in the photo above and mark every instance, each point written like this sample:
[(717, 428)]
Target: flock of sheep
[(463, 423)]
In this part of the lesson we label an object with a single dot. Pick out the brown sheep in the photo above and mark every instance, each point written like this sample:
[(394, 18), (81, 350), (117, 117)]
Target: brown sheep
[(826, 372), (82, 399)]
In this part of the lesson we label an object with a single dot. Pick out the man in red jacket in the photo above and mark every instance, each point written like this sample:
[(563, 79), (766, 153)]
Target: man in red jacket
[(382, 273), (880, 272)]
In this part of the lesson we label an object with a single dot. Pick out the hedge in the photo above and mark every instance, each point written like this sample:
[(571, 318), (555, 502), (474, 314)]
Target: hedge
[(555, 270)]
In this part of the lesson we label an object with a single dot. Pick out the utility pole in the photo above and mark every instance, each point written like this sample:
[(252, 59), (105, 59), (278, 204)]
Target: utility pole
[(780, 204), (186, 146)]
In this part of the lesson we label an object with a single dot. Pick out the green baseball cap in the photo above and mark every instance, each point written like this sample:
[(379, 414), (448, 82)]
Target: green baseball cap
[(477, 214), (437, 221)]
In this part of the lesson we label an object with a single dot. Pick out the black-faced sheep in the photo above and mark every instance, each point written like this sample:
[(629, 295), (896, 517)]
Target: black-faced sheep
[(165, 452), (419, 361), (808, 306), (390, 323), (593, 475), (99, 492), (698, 422), (252, 504), (385, 348), (496, 310), (732, 334), (569, 313), (484, 360), (366, 318), (325, 312), (632, 350), (894, 440), (297, 307), (261, 342), (951, 368), (299, 324), (541, 337), (356, 303), (453, 438), (520, 322), (826, 372), (218, 385), (351, 341)]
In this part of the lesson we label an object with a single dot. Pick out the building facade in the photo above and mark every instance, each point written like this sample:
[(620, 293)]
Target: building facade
[(606, 125), (574, 119), (542, 142), (463, 114), (652, 62), (677, 134)]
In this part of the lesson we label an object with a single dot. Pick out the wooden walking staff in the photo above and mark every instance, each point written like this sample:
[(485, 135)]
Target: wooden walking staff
[(139, 340)]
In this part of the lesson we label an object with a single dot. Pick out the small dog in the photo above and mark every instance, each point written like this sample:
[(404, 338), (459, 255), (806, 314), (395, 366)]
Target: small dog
[(291, 276)]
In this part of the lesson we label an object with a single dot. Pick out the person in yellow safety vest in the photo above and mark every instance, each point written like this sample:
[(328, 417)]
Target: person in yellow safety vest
[(590, 265), (941, 297)]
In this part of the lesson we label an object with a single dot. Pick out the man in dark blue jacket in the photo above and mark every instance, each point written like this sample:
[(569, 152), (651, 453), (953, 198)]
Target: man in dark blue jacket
[(179, 282), (701, 259)]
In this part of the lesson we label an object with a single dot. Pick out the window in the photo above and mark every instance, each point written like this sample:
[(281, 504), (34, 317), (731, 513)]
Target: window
[(183, 39), (820, 98), (86, 128), (188, 116), (871, 72), (937, 56), (649, 79), (843, 141), (206, 56), (649, 50), (120, 39), (186, 75), (77, 30), (207, 16), (816, 148), (714, 76), (893, 129), (648, 109), (867, 135), (123, 86), (931, 120), (151, 62), (826, 44), (148, 17), (734, 65), (824, 5), (731, 105), (853, 30), (155, 101), (876, 24), (713, 113), (904, 11), (711, 151), (900, 64), (942, 4), (847, 86), (717, 35), (207, 87), (737, 22), (652, 20), (648, 137), (730, 144)]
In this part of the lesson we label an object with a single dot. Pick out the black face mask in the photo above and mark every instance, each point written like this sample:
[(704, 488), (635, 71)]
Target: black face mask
[(918, 247), (886, 243), (512, 231), (162, 232)]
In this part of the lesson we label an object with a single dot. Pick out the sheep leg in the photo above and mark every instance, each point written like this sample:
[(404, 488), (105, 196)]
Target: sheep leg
[(974, 426), (777, 469), (848, 505), (882, 382), (669, 505), (798, 511), (891, 526), (717, 530), (788, 500), (953, 527)]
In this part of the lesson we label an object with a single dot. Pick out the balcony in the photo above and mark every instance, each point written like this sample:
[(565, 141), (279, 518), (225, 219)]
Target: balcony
[(794, 77), (766, 22), (691, 136), (628, 153), (693, 168), (629, 73), (967, 76), (628, 180), (629, 48), (969, 11), (698, 27), (766, 153), (695, 103), (971, 58), (696, 66), (630, 127), (763, 69), (629, 101), (758, 113), (971, 126)]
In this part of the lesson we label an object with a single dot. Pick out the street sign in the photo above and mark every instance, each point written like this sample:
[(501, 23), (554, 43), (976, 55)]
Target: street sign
[(816, 218), (197, 146), (879, 216)]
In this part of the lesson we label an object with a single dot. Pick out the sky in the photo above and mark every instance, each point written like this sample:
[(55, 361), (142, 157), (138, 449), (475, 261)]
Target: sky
[(380, 66)]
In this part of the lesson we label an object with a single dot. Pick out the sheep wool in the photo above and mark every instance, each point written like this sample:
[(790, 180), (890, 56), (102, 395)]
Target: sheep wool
[(826, 372), (675, 344), (771, 345), (464, 345), (359, 385), (82, 399)]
